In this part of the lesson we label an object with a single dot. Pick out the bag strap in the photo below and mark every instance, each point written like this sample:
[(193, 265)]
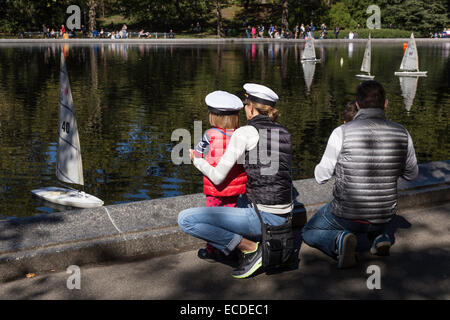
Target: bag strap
[(263, 225)]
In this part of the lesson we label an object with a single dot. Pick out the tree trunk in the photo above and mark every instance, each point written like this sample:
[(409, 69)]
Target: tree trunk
[(220, 33), (285, 15), (92, 14)]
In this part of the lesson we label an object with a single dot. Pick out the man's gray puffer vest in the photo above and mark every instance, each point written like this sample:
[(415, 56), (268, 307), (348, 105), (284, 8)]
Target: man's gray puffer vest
[(372, 158)]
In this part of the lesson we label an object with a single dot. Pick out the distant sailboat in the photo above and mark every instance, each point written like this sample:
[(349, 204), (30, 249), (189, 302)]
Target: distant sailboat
[(365, 66), (410, 61), (309, 53), (409, 87), (69, 167), (308, 72)]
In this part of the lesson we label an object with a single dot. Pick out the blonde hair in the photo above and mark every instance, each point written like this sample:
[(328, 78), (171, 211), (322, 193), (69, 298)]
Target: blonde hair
[(266, 110), (224, 121)]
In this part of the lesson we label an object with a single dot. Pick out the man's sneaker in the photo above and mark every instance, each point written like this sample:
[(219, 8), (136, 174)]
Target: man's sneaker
[(346, 246), (381, 245), (251, 262)]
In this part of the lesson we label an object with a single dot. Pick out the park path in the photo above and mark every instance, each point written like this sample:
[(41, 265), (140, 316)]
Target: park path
[(418, 268)]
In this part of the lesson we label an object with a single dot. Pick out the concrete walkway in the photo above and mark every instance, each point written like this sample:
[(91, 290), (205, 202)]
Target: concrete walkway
[(418, 268)]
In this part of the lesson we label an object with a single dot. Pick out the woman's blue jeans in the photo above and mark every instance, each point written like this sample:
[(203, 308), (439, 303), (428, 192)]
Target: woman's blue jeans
[(224, 227), (323, 228)]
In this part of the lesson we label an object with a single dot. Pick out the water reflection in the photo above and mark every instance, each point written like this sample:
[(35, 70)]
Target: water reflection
[(129, 99), (308, 71), (409, 87)]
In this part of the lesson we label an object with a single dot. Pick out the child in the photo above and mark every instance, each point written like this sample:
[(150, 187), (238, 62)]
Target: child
[(224, 110), (349, 111)]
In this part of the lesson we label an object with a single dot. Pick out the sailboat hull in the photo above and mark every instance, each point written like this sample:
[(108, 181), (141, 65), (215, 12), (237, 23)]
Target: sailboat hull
[(411, 73), (365, 76), (310, 60), (68, 197)]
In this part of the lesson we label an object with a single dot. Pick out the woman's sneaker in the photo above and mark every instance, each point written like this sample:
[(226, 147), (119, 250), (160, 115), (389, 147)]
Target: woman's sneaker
[(381, 245), (346, 247), (251, 262)]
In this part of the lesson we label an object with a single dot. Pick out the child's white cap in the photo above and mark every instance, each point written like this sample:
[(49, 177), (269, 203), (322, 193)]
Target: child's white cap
[(223, 103), (261, 94)]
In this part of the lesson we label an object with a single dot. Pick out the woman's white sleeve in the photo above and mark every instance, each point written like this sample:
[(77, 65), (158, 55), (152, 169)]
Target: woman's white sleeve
[(244, 138)]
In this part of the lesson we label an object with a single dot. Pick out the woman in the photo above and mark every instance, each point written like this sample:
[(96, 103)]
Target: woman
[(269, 184)]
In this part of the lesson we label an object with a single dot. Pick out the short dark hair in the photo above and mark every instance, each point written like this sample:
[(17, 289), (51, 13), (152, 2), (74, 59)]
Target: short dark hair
[(350, 111), (370, 94)]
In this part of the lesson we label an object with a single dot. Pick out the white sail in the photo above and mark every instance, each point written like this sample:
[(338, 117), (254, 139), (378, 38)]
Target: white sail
[(410, 61), (409, 87), (365, 66), (308, 72), (309, 53), (69, 167)]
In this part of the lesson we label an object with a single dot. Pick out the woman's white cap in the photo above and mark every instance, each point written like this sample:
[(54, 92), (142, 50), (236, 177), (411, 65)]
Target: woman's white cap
[(260, 94), (222, 102)]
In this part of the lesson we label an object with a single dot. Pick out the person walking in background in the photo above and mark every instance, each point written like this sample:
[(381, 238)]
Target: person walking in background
[(253, 32), (307, 30), (271, 31), (84, 31), (124, 31), (367, 155), (248, 32), (296, 32), (312, 29), (62, 30), (44, 31), (336, 32)]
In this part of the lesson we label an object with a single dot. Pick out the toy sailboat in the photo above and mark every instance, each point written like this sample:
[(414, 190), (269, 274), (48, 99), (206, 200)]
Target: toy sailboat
[(309, 53), (365, 66), (410, 61), (69, 167)]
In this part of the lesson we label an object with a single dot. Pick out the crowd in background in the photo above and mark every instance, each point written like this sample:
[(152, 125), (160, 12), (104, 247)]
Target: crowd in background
[(302, 31), (66, 33)]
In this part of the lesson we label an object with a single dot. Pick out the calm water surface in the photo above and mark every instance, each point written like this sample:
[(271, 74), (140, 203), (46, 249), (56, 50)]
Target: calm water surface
[(130, 98)]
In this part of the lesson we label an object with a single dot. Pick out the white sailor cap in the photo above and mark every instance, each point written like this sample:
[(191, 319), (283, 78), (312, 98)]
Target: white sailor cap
[(223, 103), (261, 94)]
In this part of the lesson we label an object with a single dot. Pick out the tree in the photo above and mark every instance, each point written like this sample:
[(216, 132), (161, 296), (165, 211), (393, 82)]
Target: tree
[(339, 16), (285, 14), (92, 4), (220, 33)]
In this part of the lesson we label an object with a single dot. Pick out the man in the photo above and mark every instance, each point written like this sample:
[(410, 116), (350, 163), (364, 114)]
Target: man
[(367, 156)]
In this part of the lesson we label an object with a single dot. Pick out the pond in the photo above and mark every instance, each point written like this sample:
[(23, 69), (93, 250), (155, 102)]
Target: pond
[(129, 98)]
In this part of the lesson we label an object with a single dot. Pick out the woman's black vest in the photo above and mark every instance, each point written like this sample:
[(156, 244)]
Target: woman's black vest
[(372, 158), (268, 165)]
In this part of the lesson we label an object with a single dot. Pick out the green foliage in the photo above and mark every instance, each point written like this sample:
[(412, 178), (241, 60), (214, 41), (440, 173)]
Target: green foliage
[(339, 16), (420, 15), (27, 15), (160, 15)]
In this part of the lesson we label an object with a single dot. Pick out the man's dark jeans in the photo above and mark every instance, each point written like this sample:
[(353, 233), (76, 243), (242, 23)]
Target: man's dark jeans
[(323, 228)]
